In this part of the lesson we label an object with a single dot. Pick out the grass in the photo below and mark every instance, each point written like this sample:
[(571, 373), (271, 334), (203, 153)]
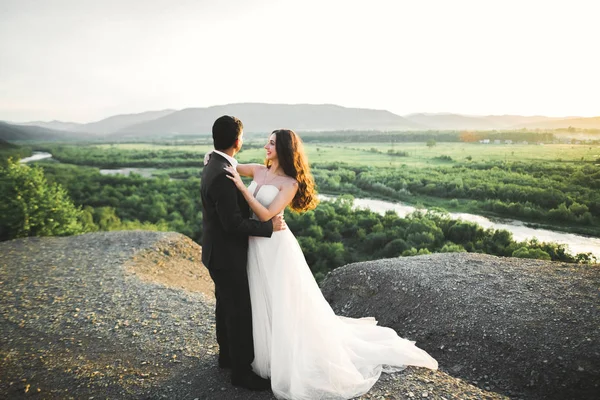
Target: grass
[(199, 148), (419, 155)]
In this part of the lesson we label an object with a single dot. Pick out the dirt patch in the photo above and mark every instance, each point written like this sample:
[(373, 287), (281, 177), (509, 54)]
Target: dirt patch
[(175, 262)]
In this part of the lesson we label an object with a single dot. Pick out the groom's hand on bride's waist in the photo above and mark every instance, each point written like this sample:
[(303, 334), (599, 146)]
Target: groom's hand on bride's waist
[(278, 223)]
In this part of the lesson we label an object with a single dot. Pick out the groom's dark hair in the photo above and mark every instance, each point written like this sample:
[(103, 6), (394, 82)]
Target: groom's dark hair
[(225, 131)]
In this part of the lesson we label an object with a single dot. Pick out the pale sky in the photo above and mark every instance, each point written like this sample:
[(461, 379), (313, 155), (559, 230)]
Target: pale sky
[(84, 60)]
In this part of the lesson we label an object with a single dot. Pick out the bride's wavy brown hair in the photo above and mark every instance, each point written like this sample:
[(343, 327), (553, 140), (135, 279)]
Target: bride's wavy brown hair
[(292, 159)]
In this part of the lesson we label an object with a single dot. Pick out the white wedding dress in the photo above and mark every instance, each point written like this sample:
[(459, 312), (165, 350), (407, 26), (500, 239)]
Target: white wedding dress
[(306, 350)]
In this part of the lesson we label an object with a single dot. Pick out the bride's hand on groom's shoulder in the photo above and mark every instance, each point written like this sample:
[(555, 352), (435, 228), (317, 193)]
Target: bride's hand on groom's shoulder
[(235, 177)]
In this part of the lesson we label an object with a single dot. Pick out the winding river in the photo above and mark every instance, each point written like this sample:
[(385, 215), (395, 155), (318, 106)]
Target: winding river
[(144, 172), (576, 243), (36, 156)]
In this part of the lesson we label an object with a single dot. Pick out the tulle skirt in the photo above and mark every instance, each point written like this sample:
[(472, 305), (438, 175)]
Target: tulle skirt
[(306, 350)]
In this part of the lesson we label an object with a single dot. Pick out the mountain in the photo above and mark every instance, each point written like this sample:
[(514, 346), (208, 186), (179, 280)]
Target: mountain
[(118, 122), (103, 127), (583, 123), (511, 121), (56, 125), (260, 117), (451, 121), (10, 132), (5, 145)]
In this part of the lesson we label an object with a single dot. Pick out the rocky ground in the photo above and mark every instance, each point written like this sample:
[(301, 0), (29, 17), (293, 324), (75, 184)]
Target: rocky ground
[(519, 327), (129, 315)]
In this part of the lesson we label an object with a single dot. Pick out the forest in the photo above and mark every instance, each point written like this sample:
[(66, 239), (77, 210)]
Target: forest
[(556, 192), (80, 197)]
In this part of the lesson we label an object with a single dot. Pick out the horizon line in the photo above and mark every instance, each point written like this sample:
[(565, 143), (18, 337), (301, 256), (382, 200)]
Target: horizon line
[(404, 115)]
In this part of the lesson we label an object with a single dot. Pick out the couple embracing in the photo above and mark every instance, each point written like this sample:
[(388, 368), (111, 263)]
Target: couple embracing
[(274, 327)]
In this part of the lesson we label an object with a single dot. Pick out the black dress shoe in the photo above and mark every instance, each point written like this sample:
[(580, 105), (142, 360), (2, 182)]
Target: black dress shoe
[(225, 362), (250, 380)]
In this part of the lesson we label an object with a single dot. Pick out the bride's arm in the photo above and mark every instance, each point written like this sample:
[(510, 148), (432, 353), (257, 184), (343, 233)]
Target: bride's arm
[(248, 169), (284, 197)]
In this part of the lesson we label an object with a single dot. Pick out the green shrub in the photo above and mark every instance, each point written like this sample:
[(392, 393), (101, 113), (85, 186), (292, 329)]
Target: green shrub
[(30, 206)]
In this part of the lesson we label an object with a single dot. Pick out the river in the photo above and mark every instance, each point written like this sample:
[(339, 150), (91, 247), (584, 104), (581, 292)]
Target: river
[(576, 243), (145, 172), (36, 156)]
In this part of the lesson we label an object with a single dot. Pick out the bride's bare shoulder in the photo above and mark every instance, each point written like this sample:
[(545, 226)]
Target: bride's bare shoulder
[(290, 182)]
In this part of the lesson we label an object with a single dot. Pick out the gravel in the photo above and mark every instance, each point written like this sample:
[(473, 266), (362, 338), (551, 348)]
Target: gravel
[(524, 328), (129, 315)]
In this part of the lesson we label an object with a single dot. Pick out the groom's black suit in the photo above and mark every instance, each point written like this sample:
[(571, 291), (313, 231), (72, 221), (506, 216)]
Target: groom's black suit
[(225, 231)]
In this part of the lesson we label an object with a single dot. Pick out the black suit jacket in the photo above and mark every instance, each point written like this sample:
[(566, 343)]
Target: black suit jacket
[(226, 222)]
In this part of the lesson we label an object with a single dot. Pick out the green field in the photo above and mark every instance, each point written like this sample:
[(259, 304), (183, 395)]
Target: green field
[(418, 152), (419, 155), (557, 185), (199, 148), (526, 182)]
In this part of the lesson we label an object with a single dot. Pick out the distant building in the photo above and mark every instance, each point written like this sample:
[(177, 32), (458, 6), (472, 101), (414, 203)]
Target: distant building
[(484, 141), (525, 142), (508, 141), (497, 141)]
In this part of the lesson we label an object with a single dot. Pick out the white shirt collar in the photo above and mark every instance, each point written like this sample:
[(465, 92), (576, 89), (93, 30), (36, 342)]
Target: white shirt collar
[(231, 160)]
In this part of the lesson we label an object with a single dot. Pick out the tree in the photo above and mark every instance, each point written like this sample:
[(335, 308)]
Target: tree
[(431, 143), (468, 137), (452, 248), (107, 219), (395, 248), (524, 252), (30, 206)]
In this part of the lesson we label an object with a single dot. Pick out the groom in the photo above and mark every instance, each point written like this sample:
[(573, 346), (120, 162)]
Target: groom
[(225, 231)]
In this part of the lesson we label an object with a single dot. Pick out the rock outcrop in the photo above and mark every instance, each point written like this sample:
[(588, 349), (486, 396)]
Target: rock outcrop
[(129, 315), (520, 327)]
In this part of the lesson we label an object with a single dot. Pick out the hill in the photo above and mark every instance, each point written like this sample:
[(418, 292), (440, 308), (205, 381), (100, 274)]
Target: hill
[(116, 123), (448, 121), (9, 132), (54, 125), (103, 127), (263, 118), (582, 123), (129, 315), (527, 328), (6, 145), (258, 117)]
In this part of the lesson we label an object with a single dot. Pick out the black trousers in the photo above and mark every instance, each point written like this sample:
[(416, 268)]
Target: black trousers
[(234, 318)]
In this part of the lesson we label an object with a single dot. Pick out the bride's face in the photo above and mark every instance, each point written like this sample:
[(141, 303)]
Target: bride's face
[(270, 148)]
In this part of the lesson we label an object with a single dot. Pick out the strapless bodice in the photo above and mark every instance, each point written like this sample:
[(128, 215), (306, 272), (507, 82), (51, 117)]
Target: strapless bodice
[(265, 194)]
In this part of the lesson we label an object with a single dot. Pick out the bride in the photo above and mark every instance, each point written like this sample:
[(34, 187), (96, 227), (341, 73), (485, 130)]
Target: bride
[(299, 343)]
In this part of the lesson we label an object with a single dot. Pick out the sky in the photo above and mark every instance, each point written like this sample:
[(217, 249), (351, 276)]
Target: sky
[(84, 60)]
